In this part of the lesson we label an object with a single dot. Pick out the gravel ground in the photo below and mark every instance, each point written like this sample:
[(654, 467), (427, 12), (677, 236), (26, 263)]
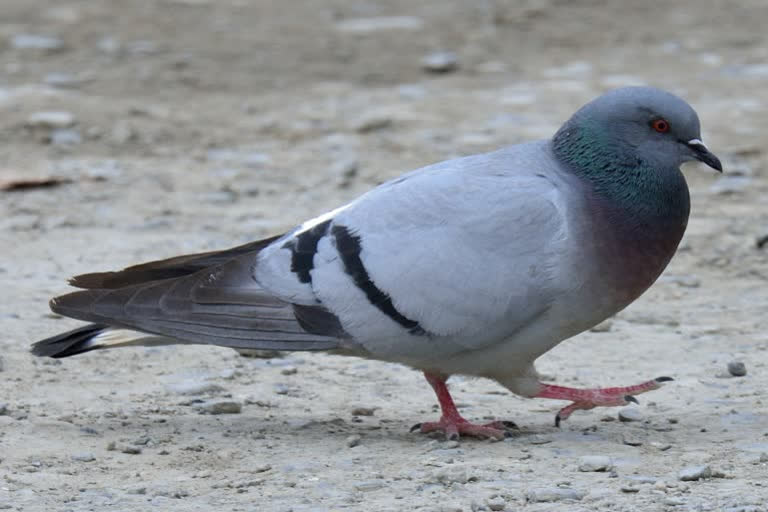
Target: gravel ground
[(169, 126)]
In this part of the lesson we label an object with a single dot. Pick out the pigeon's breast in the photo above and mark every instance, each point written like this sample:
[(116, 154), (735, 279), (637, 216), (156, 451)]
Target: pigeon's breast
[(630, 249)]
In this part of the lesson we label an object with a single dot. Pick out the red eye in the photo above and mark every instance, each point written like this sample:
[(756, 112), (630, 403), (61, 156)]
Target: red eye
[(660, 125)]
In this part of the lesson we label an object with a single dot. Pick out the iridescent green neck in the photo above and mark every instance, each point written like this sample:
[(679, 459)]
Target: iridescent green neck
[(620, 178)]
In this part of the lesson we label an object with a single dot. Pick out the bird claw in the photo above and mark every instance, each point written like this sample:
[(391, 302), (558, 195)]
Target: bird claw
[(455, 428), (610, 397), (504, 425)]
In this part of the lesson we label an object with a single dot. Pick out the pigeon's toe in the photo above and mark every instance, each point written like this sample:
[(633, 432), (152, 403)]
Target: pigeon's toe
[(454, 429)]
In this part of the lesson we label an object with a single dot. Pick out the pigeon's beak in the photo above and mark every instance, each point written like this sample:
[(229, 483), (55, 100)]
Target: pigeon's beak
[(702, 154)]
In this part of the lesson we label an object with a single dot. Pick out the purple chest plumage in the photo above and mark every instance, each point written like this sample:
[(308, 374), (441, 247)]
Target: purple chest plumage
[(632, 246)]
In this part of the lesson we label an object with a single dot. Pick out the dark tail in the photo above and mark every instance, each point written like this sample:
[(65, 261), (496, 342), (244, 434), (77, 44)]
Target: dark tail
[(69, 343), (96, 337), (209, 298)]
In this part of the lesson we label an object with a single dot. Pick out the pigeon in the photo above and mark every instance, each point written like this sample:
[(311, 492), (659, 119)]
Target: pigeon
[(473, 266)]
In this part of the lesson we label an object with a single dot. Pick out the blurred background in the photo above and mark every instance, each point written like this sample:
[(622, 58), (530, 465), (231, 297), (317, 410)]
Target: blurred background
[(278, 111), (135, 130)]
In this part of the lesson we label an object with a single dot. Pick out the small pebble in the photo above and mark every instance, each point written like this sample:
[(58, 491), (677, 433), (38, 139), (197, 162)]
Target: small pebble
[(643, 479), (683, 280), (552, 494), (142, 47), (630, 414), (379, 23), (3, 408), (371, 122), (123, 133), (167, 491), (353, 441), (36, 42), (130, 450), (104, 170), (51, 119), (62, 80), (112, 446), (496, 503), (281, 389), (631, 439), (604, 326), (440, 62), (363, 411), (591, 463), (630, 488), (737, 368), (65, 137), (370, 485), (194, 387), (451, 474), (345, 172), (221, 407), (693, 473), (83, 457), (244, 484)]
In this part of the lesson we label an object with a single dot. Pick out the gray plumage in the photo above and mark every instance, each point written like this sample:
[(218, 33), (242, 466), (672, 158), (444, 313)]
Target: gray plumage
[(475, 266)]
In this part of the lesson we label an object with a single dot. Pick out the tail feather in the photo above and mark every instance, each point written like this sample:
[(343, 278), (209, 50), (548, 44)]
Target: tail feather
[(166, 269), (68, 343), (95, 337), (184, 300)]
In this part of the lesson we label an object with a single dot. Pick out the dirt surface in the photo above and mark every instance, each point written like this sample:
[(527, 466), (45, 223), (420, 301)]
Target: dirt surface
[(200, 124)]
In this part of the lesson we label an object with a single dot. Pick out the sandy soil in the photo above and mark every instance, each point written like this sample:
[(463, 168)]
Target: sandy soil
[(202, 124)]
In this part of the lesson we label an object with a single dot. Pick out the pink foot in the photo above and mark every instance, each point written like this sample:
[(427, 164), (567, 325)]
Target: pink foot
[(453, 430), (453, 424), (600, 397)]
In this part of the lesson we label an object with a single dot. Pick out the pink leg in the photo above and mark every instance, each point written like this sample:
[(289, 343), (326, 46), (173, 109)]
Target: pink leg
[(452, 423), (599, 397)]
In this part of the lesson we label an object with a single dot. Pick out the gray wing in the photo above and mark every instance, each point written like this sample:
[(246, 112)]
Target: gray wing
[(220, 305), (450, 258)]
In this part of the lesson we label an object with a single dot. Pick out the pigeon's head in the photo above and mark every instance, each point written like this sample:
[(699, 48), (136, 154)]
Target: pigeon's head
[(642, 126)]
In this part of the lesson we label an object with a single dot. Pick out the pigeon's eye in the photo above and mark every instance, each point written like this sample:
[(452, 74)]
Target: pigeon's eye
[(660, 125)]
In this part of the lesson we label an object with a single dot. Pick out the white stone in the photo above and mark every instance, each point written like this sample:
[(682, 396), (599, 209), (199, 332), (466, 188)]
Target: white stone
[(51, 119), (589, 463)]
